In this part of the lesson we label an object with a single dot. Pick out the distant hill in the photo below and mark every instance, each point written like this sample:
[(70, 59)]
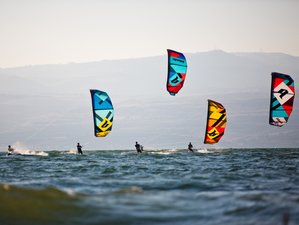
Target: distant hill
[(48, 106)]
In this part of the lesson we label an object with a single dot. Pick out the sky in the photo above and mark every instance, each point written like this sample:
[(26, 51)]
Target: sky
[(34, 32)]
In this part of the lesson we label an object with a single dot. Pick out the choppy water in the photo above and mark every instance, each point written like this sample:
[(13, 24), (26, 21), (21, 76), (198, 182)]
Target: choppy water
[(229, 186)]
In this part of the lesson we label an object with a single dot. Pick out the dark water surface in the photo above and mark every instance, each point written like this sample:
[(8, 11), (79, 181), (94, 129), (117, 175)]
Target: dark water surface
[(230, 186)]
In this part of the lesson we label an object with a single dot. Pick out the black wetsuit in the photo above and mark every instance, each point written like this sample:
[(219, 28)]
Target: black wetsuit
[(79, 148), (190, 146), (137, 146)]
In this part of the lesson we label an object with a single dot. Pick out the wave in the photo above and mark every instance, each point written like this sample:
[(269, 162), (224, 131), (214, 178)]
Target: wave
[(37, 206), (130, 190)]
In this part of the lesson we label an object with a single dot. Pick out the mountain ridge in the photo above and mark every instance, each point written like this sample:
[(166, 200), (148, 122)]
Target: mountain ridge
[(50, 106)]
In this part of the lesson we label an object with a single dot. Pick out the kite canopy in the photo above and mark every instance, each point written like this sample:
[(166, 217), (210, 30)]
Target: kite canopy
[(103, 112), (282, 98), (216, 122), (177, 69)]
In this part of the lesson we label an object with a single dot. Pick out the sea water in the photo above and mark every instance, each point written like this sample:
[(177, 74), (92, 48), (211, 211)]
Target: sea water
[(211, 187)]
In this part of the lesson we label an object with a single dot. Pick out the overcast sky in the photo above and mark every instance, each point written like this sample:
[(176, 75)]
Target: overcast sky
[(62, 31)]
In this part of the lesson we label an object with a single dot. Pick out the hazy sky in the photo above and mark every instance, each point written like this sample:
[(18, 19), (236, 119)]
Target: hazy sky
[(61, 31)]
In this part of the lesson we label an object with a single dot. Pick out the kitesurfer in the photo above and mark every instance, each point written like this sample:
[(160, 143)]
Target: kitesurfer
[(79, 148), (10, 150), (190, 146), (138, 147)]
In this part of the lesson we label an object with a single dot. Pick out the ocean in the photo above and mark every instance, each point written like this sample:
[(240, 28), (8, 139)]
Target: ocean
[(172, 187)]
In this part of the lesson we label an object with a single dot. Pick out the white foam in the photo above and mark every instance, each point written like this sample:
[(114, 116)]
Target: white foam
[(162, 151), (21, 149), (70, 152), (202, 150), (29, 152), (211, 150)]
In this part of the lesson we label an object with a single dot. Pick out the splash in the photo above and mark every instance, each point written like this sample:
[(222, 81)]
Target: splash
[(202, 150), (70, 152), (22, 149), (209, 150), (163, 151)]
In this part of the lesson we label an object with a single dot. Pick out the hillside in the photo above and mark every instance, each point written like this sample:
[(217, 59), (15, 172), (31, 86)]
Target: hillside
[(49, 107)]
